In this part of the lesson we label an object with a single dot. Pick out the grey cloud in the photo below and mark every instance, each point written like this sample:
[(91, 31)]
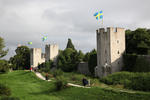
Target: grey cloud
[(28, 20)]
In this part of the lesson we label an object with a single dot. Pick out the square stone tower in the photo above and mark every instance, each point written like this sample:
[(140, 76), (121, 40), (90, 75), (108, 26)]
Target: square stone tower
[(51, 52), (36, 57), (110, 47)]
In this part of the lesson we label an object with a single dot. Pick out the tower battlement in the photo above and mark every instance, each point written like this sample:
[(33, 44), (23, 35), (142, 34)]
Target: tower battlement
[(112, 29)]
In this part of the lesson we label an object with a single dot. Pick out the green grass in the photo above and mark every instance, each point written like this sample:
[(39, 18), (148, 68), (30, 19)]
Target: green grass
[(27, 86)]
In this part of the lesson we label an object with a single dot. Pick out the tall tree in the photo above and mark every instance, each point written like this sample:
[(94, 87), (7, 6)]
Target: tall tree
[(22, 58), (92, 62), (138, 41), (68, 60), (2, 46), (70, 44)]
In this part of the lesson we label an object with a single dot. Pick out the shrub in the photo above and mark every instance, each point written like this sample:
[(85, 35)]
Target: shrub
[(136, 63), (4, 67), (117, 78), (4, 90), (68, 60), (57, 72), (135, 81), (60, 83), (9, 98)]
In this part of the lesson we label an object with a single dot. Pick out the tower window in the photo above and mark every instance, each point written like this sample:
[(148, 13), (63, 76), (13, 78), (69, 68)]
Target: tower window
[(115, 30), (118, 52), (117, 41)]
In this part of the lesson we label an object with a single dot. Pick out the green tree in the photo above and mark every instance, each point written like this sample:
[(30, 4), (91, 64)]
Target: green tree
[(46, 66), (92, 63), (86, 57), (22, 58), (70, 44), (80, 55), (4, 66), (68, 60), (138, 41), (2, 46)]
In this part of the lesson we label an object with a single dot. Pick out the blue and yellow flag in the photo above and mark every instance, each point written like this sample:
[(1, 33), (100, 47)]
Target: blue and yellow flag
[(29, 43), (99, 15)]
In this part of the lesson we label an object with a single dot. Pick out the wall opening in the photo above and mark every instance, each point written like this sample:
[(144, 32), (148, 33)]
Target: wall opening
[(118, 52)]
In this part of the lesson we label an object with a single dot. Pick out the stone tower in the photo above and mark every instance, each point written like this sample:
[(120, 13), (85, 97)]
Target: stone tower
[(36, 57), (51, 52), (110, 47)]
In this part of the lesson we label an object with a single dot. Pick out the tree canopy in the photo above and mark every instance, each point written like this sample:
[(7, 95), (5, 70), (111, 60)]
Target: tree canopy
[(138, 41), (70, 44), (22, 58), (2, 46)]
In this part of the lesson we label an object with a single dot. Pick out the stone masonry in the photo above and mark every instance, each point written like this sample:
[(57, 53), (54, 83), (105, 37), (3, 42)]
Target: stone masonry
[(110, 47), (37, 57)]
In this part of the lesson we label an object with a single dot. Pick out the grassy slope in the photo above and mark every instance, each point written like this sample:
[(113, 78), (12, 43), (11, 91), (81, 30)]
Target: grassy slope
[(27, 86)]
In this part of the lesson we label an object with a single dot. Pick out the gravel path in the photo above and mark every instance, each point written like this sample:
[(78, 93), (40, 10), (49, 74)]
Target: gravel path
[(40, 76), (70, 84)]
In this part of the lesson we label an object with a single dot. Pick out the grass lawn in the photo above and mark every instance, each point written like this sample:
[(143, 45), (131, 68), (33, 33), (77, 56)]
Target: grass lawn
[(27, 86)]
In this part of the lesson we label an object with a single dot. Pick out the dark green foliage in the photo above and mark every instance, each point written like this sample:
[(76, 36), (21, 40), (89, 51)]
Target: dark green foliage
[(9, 98), (134, 63), (92, 63), (4, 66), (86, 57), (68, 60), (138, 41), (135, 81), (57, 72), (4, 90), (70, 45), (80, 56), (2, 46), (141, 65), (60, 83), (91, 58), (46, 66), (22, 58), (129, 61)]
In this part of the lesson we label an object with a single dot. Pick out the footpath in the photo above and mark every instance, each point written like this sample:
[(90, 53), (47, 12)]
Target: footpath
[(70, 84), (102, 86)]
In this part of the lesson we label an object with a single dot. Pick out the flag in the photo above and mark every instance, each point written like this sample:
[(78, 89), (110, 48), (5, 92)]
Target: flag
[(99, 15)]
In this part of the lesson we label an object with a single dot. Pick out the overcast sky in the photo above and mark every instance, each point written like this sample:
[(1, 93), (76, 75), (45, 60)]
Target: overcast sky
[(22, 21)]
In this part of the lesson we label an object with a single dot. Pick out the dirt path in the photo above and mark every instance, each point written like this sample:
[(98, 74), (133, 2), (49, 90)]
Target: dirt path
[(40, 76), (70, 84)]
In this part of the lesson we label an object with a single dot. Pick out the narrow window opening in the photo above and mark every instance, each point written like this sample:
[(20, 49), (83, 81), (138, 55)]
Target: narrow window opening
[(117, 41), (118, 52)]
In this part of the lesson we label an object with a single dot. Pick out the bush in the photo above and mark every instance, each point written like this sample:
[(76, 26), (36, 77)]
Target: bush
[(9, 98), (136, 63), (92, 62), (60, 83), (4, 67), (117, 78), (46, 66), (68, 60), (4, 90), (135, 81), (57, 72)]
